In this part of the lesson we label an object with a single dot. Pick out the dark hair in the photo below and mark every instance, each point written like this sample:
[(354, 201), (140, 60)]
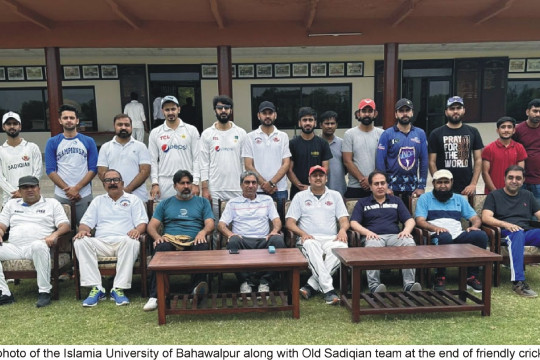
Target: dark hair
[(504, 119), (68, 108), (224, 99), (134, 96), (116, 171), (121, 116), (376, 172), (247, 173), (306, 111), (180, 174), (329, 115), (533, 102), (514, 168)]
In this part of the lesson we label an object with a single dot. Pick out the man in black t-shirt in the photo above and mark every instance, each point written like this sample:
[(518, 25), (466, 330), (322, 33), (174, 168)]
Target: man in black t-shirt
[(453, 147), (511, 209)]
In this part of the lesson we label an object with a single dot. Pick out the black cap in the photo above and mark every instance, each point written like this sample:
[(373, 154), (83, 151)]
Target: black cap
[(267, 105), (404, 102), (28, 180)]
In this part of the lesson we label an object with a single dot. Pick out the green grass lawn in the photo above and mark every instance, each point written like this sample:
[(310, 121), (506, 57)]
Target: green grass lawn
[(513, 320)]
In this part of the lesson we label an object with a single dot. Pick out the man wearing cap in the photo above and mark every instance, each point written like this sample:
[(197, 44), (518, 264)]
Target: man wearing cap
[(173, 145), (313, 217), (500, 154), (337, 171), (402, 154), (266, 153), (360, 149), (119, 219), (35, 224), (377, 219), (71, 162), (18, 157), (307, 150), (135, 111), (440, 212), (453, 147)]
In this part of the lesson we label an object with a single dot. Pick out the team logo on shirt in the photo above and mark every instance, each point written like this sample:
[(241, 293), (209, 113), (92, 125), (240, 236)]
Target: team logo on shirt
[(329, 203), (183, 212), (124, 203), (415, 140), (315, 153), (183, 136), (308, 203), (217, 148), (25, 158), (394, 141), (406, 157), (276, 139), (166, 147), (236, 139), (215, 138), (258, 140)]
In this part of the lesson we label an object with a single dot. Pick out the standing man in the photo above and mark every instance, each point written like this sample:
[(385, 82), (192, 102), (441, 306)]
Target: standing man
[(266, 153), (312, 217), (35, 224), (119, 219), (511, 209), (402, 154), (336, 176), (249, 216), (127, 155), (307, 150), (173, 145), (500, 154), (453, 147), (135, 111), (157, 114), (71, 162), (360, 149), (528, 134), (18, 157)]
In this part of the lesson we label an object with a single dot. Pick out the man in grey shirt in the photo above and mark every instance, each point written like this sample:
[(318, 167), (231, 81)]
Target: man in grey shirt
[(336, 176)]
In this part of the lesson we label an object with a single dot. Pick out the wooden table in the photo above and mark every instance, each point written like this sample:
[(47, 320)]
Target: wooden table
[(454, 255), (216, 261)]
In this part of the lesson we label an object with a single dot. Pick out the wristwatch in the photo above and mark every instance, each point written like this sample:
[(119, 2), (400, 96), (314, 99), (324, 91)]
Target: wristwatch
[(271, 183)]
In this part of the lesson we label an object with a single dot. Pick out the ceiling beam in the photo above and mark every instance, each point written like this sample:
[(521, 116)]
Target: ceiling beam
[(29, 15), (404, 10), (492, 11), (311, 14), (214, 7), (122, 13)]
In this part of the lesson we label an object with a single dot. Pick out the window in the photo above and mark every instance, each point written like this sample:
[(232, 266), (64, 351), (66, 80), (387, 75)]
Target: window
[(518, 95), (31, 104), (289, 98)]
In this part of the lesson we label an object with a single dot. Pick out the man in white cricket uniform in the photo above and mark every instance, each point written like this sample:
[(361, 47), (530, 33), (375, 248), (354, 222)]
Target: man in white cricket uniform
[(312, 217), (18, 157), (128, 156), (135, 111), (119, 219), (35, 224), (173, 146)]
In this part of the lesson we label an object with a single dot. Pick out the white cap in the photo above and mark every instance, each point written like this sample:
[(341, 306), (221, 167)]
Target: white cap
[(169, 98), (439, 174), (11, 115)]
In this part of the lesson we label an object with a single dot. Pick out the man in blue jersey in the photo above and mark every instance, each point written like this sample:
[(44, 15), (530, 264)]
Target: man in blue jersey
[(71, 162)]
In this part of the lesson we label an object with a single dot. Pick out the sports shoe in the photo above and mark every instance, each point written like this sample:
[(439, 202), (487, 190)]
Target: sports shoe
[(474, 284), (43, 300), (264, 288), (413, 287), (201, 288), (245, 288), (150, 305), (93, 298), (379, 288), (307, 291), (440, 283), (331, 298), (522, 288), (6, 299), (118, 296)]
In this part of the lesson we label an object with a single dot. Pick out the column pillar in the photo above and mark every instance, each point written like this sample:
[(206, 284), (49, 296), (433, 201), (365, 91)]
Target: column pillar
[(391, 78), (224, 70), (54, 87)]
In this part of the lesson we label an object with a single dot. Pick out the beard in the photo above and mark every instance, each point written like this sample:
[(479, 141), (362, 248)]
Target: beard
[(366, 120), (123, 134), (454, 120), (223, 118), (13, 134), (185, 194), (404, 120), (443, 195), (307, 131)]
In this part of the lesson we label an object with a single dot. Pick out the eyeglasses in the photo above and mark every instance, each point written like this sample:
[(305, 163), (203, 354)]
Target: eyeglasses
[(221, 107), (112, 180)]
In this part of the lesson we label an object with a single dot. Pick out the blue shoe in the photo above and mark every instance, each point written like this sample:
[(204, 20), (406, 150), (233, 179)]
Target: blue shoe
[(118, 296), (94, 296)]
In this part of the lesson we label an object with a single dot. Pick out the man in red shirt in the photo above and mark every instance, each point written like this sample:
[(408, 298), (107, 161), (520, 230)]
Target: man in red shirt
[(528, 134)]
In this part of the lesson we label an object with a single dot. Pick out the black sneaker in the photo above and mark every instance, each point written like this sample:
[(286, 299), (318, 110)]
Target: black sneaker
[(440, 283), (474, 284), (331, 298), (522, 288), (413, 287), (43, 300), (6, 299), (307, 291)]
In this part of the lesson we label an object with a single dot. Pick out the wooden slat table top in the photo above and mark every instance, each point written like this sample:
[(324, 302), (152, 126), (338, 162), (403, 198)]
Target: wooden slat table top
[(221, 260), (425, 256)]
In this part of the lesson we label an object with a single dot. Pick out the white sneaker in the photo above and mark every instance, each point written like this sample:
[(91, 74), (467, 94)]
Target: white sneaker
[(245, 288), (151, 304), (264, 288)]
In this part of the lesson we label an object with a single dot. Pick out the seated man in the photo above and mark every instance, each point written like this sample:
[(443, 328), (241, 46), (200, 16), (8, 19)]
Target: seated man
[(511, 208), (35, 224), (312, 218), (182, 214), (377, 218), (119, 219), (440, 213), (249, 215)]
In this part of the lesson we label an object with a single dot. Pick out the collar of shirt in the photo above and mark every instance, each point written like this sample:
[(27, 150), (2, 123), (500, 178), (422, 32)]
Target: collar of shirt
[(501, 145), (322, 195), (23, 142), (41, 200), (260, 131), (167, 128), (131, 140)]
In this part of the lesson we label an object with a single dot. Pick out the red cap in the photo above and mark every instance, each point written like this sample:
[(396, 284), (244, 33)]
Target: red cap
[(366, 102), (316, 168)]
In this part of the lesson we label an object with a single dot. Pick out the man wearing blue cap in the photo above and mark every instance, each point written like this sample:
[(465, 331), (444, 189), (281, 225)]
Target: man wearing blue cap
[(452, 147)]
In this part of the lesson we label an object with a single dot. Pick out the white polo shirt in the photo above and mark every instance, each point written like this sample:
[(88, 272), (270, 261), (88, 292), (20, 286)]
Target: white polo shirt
[(114, 218), (31, 223), (250, 217)]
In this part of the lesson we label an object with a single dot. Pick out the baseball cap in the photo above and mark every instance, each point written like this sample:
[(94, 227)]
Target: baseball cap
[(169, 98), (28, 180), (316, 168), (11, 115), (454, 100), (267, 105), (440, 174), (404, 102), (366, 102), (505, 119)]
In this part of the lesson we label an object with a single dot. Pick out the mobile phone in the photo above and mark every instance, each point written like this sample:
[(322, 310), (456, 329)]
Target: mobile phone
[(234, 251)]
